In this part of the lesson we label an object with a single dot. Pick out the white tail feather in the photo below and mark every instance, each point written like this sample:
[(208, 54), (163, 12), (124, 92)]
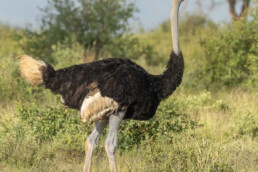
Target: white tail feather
[(31, 69)]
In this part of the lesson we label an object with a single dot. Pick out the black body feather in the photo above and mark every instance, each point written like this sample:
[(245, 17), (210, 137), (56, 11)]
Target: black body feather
[(120, 79)]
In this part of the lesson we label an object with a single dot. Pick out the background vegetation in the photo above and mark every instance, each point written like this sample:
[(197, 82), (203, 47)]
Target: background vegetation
[(209, 124)]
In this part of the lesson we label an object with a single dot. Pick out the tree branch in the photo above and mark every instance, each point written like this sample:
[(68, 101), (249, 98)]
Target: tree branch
[(244, 11), (232, 10)]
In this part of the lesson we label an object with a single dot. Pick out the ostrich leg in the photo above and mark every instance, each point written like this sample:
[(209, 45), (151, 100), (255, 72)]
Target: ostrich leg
[(91, 143), (111, 141)]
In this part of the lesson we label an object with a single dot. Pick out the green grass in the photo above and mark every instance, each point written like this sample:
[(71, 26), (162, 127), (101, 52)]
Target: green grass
[(224, 140)]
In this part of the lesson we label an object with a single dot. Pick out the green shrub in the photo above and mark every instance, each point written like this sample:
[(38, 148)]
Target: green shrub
[(167, 121), (247, 124), (33, 129), (231, 57), (64, 56), (51, 121), (12, 86), (63, 131)]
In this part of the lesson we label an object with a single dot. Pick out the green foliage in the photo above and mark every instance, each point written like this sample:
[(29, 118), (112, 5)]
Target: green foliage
[(36, 128), (189, 23), (12, 87), (45, 124), (134, 48), (172, 140), (204, 99), (38, 44), (168, 120), (8, 41), (94, 24), (90, 26), (231, 57), (247, 124), (64, 128), (64, 55)]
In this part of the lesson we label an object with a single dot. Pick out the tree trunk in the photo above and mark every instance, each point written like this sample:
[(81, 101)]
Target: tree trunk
[(244, 10)]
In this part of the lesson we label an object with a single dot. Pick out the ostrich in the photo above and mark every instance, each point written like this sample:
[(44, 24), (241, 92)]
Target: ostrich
[(109, 90)]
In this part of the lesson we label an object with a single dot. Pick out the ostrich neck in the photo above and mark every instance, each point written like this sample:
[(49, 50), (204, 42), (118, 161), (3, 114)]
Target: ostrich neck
[(172, 76), (174, 27)]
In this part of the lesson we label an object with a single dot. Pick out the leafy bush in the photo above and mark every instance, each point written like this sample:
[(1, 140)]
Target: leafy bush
[(231, 57), (93, 24), (46, 124), (167, 121), (35, 128)]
